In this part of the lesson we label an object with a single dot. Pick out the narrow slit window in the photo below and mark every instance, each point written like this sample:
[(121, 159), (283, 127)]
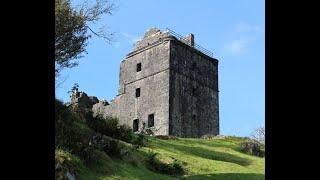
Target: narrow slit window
[(138, 92), (135, 125), (138, 67), (151, 120)]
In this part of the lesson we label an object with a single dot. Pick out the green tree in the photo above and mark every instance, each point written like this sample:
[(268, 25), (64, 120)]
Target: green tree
[(74, 89), (72, 30)]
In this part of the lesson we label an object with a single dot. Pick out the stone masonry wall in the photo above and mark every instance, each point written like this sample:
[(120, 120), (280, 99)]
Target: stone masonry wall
[(193, 92), (153, 80)]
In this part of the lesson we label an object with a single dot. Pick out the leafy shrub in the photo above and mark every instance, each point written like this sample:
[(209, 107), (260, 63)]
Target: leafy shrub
[(112, 148), (154, 164), (125, 133), (90, 155), (70, 132), (109, 126), (252, 148), (139, 140), (98, 124), (63, 164)]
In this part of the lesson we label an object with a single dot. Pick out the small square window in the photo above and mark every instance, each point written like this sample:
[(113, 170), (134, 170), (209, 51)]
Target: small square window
[(138, 67), (138, 92), (135, 127), (151, 120)]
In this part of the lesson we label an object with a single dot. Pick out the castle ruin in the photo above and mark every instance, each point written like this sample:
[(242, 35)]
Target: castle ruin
[(169, 83)]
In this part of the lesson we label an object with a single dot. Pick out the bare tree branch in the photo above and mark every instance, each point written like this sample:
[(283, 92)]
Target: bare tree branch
[(59, 81), (101, 34), (259, 135)]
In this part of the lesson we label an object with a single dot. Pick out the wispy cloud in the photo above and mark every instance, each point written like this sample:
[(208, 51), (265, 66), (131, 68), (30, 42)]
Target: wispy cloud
[(238, 46), (245, 35), (130, 37)]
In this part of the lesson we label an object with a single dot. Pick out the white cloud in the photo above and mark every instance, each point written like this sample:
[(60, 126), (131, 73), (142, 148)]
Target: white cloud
[(237, 47), (245, 35)]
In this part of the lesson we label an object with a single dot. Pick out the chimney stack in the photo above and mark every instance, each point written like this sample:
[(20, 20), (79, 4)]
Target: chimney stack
[(190, 39)]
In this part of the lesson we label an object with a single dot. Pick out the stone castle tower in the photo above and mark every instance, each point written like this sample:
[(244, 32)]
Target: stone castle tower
[(169, 83)]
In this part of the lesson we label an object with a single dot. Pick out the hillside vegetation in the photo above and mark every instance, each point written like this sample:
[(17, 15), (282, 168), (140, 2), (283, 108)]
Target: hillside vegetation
[(87, 152)]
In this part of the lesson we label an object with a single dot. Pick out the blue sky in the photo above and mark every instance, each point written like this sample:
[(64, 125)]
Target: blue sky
[(232, 30)]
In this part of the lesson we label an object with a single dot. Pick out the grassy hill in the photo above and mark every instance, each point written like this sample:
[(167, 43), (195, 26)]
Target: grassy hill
[(97, 148), (201, 159)]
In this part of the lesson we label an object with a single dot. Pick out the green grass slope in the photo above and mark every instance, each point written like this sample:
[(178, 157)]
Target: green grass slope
[(78, 153), (211, 159), (201, 159)]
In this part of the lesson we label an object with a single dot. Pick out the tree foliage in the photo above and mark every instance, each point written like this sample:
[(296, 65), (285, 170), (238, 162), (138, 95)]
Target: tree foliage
[(72, 30)]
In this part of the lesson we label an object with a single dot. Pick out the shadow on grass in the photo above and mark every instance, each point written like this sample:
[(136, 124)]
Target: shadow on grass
[(205, 153), (213, 143), (225, 143), (229, 176)]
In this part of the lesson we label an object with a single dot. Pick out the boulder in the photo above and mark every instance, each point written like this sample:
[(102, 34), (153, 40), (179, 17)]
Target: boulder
[(251, 147)]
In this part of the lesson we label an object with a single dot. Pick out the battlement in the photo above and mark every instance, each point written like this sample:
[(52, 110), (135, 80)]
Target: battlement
[(154, 35)]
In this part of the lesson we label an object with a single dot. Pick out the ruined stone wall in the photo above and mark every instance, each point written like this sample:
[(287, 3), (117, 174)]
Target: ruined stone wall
[(193, 92), (153, 81)]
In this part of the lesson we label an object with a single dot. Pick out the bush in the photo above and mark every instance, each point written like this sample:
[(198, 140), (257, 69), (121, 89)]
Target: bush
[(139, 140), (154, 164), (109, 126), (90, 155), (124, 133), (112, 148), (252, 148), (98, 124), (71, 133), (63, 164)]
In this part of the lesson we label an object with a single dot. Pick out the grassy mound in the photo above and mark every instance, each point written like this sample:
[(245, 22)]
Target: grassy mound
[(86, 149)]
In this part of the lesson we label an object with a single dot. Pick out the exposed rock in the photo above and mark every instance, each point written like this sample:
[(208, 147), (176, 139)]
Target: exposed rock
[(82, 100)]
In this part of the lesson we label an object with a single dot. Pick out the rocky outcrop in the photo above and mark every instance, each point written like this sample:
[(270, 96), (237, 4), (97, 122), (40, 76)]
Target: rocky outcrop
[(82, 100)]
